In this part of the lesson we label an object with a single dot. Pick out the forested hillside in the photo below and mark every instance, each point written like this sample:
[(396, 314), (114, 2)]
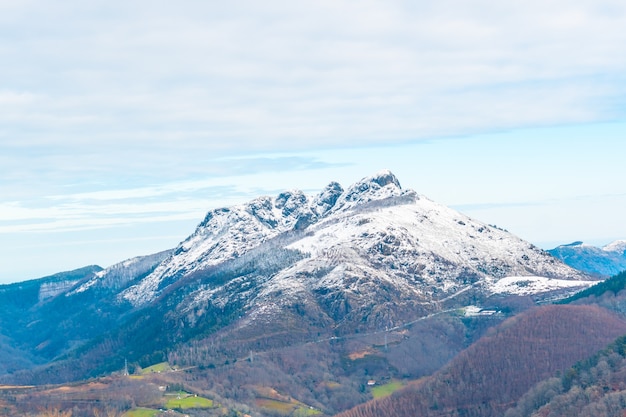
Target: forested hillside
[(491, 375), (613, 286), (595, 387)]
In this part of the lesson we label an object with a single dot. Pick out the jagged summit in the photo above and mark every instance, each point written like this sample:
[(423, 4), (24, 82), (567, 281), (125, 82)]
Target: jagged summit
[(380, 186), (381, 180), (293, 208), (385, 177), (371, 232), (327, 198), (228, 232)]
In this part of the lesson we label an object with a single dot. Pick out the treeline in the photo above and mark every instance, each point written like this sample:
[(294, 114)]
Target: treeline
[(490, 376), (613, 285)]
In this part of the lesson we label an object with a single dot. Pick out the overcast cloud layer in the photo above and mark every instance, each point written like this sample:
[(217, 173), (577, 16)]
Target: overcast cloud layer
[(277, 75), (118, 113)]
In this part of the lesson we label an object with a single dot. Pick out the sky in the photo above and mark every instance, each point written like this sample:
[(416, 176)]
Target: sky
[(123, 123)]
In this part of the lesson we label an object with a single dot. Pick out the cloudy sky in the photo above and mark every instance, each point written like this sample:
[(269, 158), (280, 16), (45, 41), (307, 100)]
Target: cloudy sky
[(122, 123)]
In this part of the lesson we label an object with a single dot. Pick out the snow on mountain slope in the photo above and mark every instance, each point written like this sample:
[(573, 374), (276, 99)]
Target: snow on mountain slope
[(619, 247), (52, 289), (426, 245), (528, 285), (227, 233), (119, 275), (373, 235)]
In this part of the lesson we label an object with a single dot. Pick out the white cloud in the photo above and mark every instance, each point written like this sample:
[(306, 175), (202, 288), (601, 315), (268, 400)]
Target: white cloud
[(105, 101), (277, 75)]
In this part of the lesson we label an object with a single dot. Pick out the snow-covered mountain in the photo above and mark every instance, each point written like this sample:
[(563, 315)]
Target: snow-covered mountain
[(368, 244), (294, 270), (604, 261)]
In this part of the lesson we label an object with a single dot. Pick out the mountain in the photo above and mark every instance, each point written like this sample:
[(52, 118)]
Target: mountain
[(28, 293), (309, 295), (44, 318), (606, 261), (372, 234), (17, 301), (297, 268)]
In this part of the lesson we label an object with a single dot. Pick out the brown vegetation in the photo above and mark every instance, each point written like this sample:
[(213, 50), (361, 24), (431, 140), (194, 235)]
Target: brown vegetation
[(491, 375), (595, 387), (108, 397)]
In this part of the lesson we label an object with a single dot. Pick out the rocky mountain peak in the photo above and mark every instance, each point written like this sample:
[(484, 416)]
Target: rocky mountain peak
[(380, 180), (384, 178), (414, 244), (327, 199), (380, 186)]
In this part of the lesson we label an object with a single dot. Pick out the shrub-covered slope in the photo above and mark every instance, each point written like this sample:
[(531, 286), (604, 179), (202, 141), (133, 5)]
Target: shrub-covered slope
[(594, 387), (491, 375)]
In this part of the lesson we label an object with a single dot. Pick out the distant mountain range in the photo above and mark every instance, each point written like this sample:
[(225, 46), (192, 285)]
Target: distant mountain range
[(310, 295), (606, 261)]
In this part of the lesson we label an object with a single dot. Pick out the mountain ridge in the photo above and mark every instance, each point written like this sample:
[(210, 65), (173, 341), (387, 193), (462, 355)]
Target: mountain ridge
[(225, 233), (604, 261), (370, 268)]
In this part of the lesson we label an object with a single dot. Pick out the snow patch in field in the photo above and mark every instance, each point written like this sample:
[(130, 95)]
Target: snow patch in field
[(471, 311), (526, 285)]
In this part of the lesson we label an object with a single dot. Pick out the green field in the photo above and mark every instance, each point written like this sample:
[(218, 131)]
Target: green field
[(295, 408), (141, 412), (275, 405), (305, 411), (159, 367), (189, 401), (387, 389)]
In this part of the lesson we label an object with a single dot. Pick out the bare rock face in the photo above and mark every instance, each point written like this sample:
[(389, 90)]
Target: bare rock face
[(372, 253)]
